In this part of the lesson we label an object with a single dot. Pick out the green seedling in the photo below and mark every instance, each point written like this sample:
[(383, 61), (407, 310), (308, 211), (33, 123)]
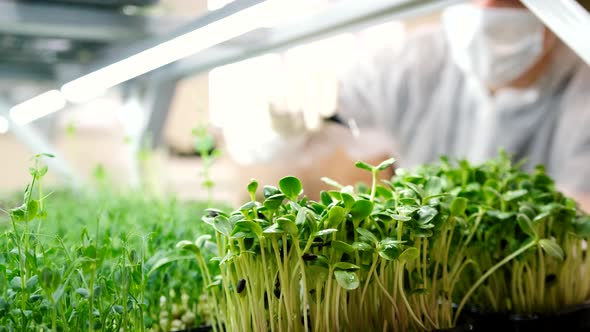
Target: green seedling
[(98, 261), (204, 145), (408, 255)]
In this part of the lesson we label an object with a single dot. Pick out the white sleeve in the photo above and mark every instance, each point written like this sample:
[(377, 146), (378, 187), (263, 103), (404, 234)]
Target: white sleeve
[(571, 157), (378, 90), (367, 87)]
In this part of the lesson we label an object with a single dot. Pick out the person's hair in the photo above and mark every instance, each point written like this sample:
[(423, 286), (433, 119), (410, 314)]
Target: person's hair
[(585, 4)]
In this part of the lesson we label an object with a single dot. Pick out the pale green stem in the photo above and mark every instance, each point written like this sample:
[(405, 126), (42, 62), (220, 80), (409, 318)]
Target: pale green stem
[(374, 184), (488, 273), (403, 295)]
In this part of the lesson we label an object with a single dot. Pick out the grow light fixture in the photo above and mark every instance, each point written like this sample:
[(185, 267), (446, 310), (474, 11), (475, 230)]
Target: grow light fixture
[(4, 126), (37, 107), (216, 4), (251, 18), (568, 19)]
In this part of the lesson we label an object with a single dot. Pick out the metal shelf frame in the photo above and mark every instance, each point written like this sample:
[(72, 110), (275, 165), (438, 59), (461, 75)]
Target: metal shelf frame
[(340, 16)]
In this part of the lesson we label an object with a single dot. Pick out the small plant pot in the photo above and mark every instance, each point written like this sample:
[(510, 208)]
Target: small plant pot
[(572, 319)]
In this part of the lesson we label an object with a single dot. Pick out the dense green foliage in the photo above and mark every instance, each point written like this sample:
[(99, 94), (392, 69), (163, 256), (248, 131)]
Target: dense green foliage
[(398, 256), (101, 261), (408, 254)]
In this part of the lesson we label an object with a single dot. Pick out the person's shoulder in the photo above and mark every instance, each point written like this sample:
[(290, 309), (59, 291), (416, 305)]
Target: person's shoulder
[(581, 77), (427, 47), (421, 50), (426, 41), (429, 36), (426, 55), (577, 94)]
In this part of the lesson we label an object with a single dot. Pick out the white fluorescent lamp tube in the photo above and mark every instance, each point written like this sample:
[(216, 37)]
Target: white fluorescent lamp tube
[(37, 107), (4, 126), (251, 18), (568, 20)]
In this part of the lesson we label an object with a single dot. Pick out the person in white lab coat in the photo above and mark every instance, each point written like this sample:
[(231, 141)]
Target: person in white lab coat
[(490, 76)]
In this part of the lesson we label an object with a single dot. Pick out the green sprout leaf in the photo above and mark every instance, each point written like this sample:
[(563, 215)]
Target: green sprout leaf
[(246, 227), (552, 249), (346, 266), (301, 216), (458, 206), (386, 164), (347, 279), (526, 225), (331, 182), (415, 188), (320, 260), (58, 293), (363, 165), (514, 194), (214, 284), (48, 155), (274, 202), (582, 227), (291, 187), (426, 214), (348, 200), (269, 191), (325, 198), (26, 212), (389, 250), (169, 259), (201, 240), (18, 214), (211, 212), (542, 216), (288, 225), (399, 217), (362, 246), (500, 215), (32, 282), (42, 171), (273, 229), (527, 209), (367, 234), (335, 217), (409, 254), (433, 186), (325, 232), (188, 245), (383, 192), (335, 194), (361, 209), (248, 206), (15, 283), (222, 225), (83, 292), (252, 187), (342, 247)]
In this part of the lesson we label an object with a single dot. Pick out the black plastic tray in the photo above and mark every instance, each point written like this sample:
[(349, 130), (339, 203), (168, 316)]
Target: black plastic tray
[(572, 319)]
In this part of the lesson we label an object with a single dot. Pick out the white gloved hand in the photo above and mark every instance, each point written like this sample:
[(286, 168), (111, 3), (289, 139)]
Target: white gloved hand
[(305, 98), (286, 122), (300, 97)]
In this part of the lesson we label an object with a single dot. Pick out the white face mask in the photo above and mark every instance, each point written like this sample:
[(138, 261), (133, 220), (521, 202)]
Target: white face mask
[(496, 45)]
